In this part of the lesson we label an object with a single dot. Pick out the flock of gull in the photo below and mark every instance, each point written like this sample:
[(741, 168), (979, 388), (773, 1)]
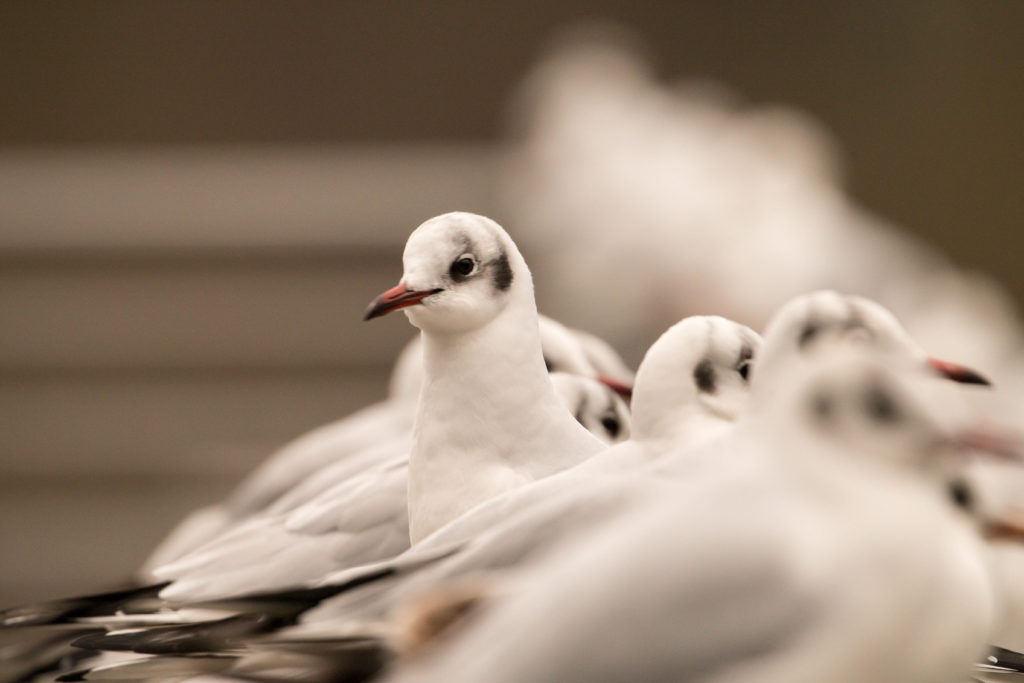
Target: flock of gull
[(793, 506)]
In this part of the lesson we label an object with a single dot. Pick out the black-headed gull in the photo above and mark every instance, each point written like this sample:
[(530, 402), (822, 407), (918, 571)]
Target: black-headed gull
[(803, 319), (488, 419), (843, 553)]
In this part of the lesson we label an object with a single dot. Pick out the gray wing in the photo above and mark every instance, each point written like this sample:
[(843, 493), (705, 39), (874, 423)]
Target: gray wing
[(660, 594), (360, 519), (349, 440), (500, 533)]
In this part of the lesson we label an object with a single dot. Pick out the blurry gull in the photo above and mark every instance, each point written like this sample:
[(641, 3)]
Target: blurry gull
[(996, 485), (595, 405), (807, 317), (839, 552), (488, 419), (731, 206)]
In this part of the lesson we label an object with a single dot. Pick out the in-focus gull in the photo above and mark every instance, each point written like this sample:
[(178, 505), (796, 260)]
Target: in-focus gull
[(488, 419)]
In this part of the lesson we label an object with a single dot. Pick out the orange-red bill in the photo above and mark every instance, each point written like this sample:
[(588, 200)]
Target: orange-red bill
[(1010, 529), (958, 373), (395, 298), (991, 440), (623, 390)]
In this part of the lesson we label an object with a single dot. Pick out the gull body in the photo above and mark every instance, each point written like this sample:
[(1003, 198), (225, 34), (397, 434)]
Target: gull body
[(488, 419), (828, 550)]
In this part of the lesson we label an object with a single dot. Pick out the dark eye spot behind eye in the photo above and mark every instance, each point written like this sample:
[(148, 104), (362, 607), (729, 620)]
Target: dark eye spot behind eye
[(611, 425), (960, 493), (501, 272), (807, 334), (704, 376), (880, 406)]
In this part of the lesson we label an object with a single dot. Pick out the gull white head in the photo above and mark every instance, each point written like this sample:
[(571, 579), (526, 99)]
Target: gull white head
[(596, 406), (562, 353), (461, 271), (805, 320), (693, 380), (569, 350), (860, 403), (611, 369), (851, 406)]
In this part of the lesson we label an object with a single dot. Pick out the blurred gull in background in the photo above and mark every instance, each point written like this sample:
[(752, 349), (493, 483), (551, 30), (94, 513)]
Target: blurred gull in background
[(689, 201)]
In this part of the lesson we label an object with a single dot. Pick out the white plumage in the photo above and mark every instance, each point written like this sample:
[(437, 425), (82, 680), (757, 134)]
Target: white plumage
[(818, 548)]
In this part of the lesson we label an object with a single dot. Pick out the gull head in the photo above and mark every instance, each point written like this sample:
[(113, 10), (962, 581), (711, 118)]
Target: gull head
[(856, 404), (808, 320), (562, 353), (579, 353), (595, 405), (461, 270), (859, 402), (699, 368)]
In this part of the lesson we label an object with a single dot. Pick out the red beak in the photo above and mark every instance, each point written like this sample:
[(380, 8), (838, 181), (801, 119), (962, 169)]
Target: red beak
[(993, 441), (958, 373), (623, 390), (397, 297), (1011, 529)]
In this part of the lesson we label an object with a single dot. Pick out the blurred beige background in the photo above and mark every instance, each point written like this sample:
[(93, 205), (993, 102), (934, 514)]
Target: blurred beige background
[(198, 199)]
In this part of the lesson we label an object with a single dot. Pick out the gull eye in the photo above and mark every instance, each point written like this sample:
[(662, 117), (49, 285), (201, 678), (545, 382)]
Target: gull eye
[(808, 334), (961, 494), (743, 362), (611, 425), (462, 267), (744, 370)]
